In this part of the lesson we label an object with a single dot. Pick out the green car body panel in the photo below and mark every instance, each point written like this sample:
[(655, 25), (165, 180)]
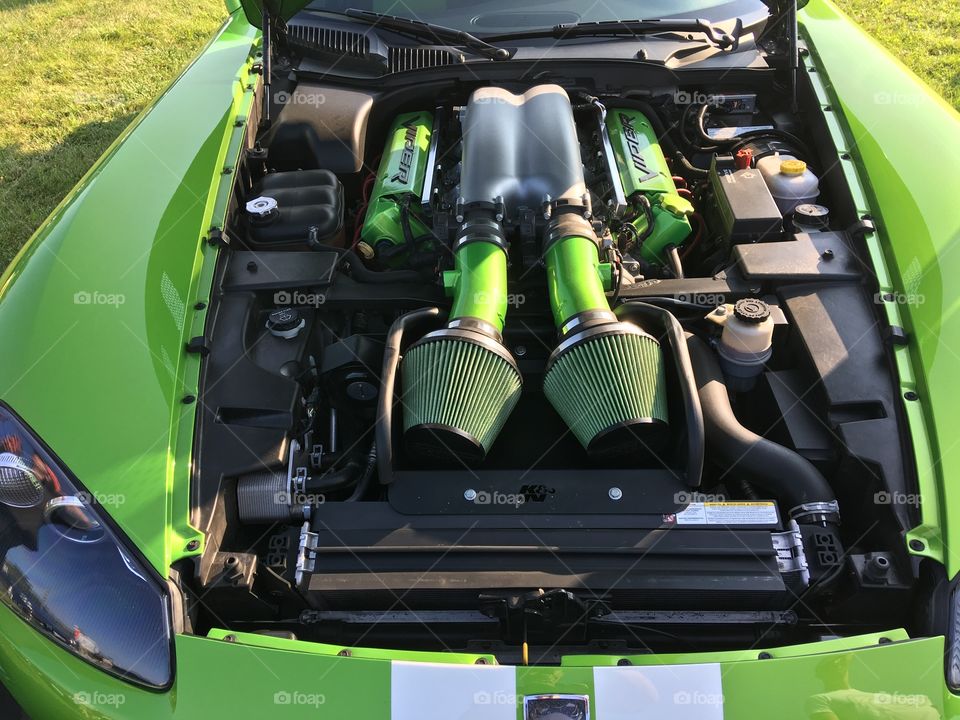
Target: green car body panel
[(97, 308)]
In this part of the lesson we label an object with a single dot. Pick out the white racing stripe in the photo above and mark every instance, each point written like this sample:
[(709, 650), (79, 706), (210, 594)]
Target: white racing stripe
[(664, 692), (436, 691)]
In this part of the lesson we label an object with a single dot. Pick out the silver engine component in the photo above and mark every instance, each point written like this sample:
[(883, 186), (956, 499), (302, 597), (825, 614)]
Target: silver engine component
[(521, 151)]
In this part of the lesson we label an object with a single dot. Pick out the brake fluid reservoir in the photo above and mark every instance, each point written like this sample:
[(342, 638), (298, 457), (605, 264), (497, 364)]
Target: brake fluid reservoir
[(746, 342), (790, 181)]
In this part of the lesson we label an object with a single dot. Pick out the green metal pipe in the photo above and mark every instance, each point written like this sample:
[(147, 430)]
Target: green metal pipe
[(480, 284), (576, 279)]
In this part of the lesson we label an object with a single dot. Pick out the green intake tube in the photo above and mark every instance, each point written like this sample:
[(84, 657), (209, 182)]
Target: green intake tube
[(576, 279), (461, 383), (606, 377), (478, 284)]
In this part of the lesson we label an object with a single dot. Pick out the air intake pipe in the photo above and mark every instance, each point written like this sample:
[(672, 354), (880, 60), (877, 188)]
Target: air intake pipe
[(606, 377), (460, 383)]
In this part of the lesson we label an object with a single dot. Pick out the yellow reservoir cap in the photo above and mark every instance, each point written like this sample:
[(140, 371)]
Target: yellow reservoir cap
[(793, 167)]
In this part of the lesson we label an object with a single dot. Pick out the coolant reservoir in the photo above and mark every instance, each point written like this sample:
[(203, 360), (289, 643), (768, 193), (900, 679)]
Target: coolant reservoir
[(746, 342), (790, 181)]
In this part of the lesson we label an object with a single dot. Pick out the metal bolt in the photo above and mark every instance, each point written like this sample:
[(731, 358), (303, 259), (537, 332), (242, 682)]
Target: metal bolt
[(470, 495), (229, 638), (615, 493), (520, 350), (193, 545)]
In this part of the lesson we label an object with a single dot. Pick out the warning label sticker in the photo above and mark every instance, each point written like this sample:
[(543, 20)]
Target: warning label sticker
[(725, 513)]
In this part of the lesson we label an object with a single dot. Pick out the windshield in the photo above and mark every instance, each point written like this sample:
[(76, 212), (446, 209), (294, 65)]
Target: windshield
[(496, 17)]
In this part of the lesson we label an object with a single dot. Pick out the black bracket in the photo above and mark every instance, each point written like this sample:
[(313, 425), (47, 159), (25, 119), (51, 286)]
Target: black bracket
[(198, 346)]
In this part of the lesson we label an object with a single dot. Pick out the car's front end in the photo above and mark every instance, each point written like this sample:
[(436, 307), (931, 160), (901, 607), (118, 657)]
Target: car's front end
[(557, 370)]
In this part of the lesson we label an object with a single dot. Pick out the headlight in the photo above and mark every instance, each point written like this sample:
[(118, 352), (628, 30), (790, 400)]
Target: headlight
[(65, 571)]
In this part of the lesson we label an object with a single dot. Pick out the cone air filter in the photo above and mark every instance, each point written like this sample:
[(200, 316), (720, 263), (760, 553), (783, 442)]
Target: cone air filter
[(459, 387), (609, 386)]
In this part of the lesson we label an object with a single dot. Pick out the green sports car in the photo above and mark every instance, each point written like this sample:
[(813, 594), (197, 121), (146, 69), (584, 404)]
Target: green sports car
[(471, 361)]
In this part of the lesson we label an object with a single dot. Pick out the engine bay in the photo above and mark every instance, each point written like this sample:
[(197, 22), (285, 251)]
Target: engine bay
[(535, 363)]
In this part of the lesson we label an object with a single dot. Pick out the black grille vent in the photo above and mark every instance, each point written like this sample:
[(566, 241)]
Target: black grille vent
[(413, 58), (324, 38)]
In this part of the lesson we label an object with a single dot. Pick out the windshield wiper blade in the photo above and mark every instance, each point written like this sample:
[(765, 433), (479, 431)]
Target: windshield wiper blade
[(607, 28), (429, 31)]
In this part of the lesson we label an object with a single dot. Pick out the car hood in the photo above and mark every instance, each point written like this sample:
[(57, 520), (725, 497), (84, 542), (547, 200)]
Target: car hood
[(286, 9)]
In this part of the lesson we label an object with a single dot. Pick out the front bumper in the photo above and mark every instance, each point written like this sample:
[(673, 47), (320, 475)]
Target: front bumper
[(854, 677)]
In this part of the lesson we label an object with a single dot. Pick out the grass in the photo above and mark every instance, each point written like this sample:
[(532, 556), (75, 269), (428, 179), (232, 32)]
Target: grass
[(925, 36), (77, 71)]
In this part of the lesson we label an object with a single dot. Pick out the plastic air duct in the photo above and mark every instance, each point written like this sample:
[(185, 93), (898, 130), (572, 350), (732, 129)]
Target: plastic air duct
[(606, 378)]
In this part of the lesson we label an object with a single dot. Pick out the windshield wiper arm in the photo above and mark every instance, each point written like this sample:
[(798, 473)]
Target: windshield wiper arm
[(714, 34), (429, 31)]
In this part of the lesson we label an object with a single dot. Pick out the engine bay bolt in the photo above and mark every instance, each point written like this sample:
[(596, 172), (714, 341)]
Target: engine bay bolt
[(916, 545), (520, 350), (230, 638), (827, 254), (615, 493), (470, 495), (193, 546)]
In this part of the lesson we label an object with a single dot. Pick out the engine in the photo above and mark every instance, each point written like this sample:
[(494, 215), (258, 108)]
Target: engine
[(527, 356)]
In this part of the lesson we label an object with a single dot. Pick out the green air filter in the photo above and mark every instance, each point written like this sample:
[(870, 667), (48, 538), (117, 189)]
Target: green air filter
[(458, 390), (610, 389)]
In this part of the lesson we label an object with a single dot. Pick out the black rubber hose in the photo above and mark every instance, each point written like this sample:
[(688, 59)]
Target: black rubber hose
[(361, 273), (334, 479), (788, 477), (688, 384), (391, 361), (363, 484)]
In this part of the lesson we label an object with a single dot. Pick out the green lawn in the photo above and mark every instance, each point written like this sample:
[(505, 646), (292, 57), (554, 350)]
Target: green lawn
[(77, 71)]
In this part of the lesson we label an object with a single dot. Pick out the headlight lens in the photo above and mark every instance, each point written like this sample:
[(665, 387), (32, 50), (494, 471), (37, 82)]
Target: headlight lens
[(65, 571)]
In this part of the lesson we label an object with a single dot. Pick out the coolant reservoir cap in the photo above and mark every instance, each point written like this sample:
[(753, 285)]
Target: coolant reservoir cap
[(751, 310), (285, 323), (262, 207), (793, 167)]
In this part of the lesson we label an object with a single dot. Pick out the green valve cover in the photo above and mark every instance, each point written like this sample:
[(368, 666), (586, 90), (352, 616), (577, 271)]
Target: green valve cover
[(400, 177), (643, 169)]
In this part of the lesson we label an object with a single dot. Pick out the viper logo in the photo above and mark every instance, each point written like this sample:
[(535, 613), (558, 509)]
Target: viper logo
[(634, 146), (406, 156)]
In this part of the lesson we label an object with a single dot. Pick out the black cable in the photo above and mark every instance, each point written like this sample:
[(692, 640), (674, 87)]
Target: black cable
[(391, 361)]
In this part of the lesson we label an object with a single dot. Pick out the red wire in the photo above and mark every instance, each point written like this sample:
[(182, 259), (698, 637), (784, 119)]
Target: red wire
[(696, 237)]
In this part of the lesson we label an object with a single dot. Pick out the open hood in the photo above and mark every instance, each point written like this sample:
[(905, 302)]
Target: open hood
[(286, 9)]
